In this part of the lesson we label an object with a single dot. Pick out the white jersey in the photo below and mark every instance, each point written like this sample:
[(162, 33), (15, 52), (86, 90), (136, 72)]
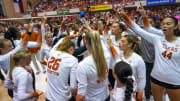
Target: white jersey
[(61, 66), (89, 84), (5, 59), (138, 68), (119, 94), (167, 57), (45, 51), (22, 84)]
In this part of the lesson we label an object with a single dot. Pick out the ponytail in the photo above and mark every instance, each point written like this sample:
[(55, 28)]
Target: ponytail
[(136, 47), (93, 40), (129, 89), (12, 65), (177, 32), (124, 74)]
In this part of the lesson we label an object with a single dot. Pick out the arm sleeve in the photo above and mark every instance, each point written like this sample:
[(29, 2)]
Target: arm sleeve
[(146, 35), (7, 83), (130, 32), (30, 44), (42, 54), (2, 57), (154, 31), (139, 31), (82, 80), (73, 79), (21, 89), (141, 75), (43, 33), (33, 44), (149, 28)]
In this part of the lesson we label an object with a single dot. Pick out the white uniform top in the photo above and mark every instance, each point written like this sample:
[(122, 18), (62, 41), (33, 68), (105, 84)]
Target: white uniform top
[(61, 66), (119, 94), (5, 59), (167, 57), (89, 84), (23, 84), (44, 52), (138, 68), (29, 43)]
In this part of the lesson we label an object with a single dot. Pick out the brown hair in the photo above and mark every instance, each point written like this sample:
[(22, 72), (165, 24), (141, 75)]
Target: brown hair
[(3, 43), (135, 45), (65, 45)]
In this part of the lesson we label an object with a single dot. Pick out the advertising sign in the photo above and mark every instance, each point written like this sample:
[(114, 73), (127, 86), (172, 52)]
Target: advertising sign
[(159, 2), (99, 7)]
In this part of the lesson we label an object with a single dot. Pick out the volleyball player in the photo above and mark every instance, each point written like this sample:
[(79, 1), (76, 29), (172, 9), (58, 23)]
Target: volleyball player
[(92, 72), (127, 45), (61, 66), (21, 79), (166, 73), (122, 72)]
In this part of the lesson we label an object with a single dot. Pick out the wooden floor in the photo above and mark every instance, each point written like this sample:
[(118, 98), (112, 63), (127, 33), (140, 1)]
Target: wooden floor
[(5, 97)]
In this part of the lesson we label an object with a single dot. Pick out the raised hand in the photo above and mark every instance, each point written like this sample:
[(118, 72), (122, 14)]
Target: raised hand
[(141, 10)]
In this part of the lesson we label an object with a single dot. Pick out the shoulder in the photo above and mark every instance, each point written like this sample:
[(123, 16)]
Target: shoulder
[(138, 58), (86, 62), (73, 59), (20, 72)]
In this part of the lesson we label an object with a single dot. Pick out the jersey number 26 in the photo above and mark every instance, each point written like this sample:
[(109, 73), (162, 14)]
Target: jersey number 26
[(54, 63)]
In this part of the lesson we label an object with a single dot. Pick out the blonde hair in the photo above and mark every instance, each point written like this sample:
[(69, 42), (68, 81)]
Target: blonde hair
[(65, 45), (93, 40), (15, 58), (47, 33)]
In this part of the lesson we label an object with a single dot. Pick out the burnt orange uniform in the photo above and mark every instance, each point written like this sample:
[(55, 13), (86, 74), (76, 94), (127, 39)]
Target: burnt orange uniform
[(34, 37)]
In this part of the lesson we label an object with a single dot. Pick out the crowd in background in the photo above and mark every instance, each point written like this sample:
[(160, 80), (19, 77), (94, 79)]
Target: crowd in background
[(111, 25)]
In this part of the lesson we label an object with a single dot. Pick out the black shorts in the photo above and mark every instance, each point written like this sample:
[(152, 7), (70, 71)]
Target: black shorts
[(166, 85)]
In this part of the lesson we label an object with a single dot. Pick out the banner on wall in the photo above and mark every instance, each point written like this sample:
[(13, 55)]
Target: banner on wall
[(159, 2), (63, 11), (99, 7)]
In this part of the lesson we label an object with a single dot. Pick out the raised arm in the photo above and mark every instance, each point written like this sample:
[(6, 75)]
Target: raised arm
[(22, 43), (113, 50), (147, 26), (138, 30), (43, 30), (30, 44)]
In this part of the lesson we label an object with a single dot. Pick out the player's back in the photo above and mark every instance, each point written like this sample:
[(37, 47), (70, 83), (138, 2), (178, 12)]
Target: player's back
[(58, 74)]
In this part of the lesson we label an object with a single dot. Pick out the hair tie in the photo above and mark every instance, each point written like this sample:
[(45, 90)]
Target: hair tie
[(129, 77), (14, 53)]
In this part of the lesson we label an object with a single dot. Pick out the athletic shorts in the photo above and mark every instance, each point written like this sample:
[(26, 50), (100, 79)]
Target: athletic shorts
[(166, 85)]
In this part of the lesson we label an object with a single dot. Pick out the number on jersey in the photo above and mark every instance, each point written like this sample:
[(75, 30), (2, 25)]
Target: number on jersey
[(166, 54), (54, 63)]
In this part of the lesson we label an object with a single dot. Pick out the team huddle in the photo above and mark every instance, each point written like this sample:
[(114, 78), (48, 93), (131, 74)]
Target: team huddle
[(97, 59)]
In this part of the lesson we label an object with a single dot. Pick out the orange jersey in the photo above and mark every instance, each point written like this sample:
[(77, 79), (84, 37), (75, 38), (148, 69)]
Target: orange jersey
[(34, 37)]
